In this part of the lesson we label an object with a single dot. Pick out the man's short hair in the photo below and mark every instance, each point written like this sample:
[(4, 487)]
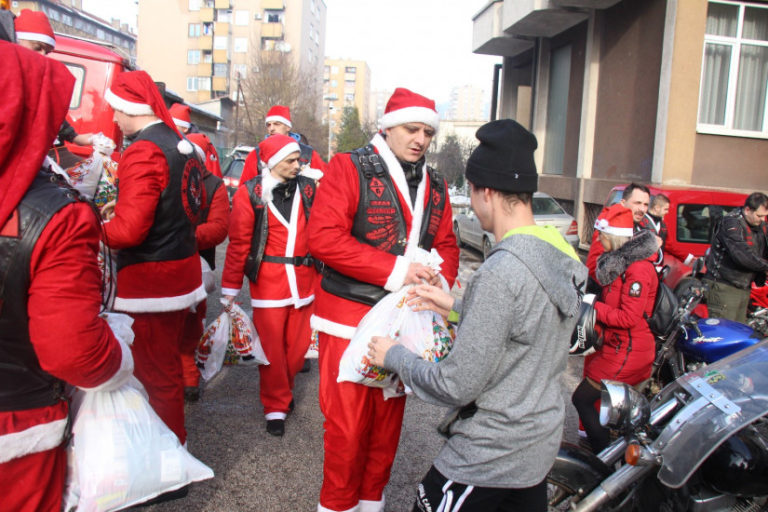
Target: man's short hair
[(755, 200), (510, 197), (658, 200), (631, 188)]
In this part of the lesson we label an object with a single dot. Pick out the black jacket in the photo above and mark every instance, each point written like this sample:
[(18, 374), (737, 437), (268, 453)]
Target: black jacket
[(738, 253)]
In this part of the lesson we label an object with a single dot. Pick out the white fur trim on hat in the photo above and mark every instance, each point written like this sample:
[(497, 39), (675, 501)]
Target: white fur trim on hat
[(181, 122), (36, 36), (280, 119), (410, 115), (292, 147), (602, 225), (128, 107)]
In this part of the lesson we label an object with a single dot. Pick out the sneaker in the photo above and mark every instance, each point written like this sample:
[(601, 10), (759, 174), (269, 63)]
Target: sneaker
[(307, 366), (191, 394), (276, 427)]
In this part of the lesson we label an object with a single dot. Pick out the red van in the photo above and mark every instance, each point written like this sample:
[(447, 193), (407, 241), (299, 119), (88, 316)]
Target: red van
[(689, 222), (95, 67)]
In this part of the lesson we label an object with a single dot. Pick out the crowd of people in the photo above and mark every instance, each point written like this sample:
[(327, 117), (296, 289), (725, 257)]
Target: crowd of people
[(320, 244)]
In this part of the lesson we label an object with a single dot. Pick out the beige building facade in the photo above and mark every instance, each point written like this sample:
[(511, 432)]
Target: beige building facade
[(668, 92), (346, 83), (200, 48)]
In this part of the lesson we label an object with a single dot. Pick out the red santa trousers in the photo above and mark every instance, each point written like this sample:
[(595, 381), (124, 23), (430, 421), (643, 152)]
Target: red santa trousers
[(35, 482), (157, 364), (362, 431), (193, 331), (285, 336)]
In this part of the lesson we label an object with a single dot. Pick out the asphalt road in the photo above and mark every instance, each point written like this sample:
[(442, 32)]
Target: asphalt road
[(258, 472)]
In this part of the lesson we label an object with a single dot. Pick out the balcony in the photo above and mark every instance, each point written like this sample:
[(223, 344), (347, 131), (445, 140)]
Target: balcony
[(219, 83), (272, 30), (204, 69), (586, 4), (221, 28), (488, 37), (220, 57), (273, 4), (223, 4), (205, 42), (538, 18), (206, 14)]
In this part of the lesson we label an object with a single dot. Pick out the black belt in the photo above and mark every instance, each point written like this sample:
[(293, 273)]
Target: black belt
[(294, 260)]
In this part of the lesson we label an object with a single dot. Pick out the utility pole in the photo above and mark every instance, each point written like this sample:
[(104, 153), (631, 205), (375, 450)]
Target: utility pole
[(237, 109)]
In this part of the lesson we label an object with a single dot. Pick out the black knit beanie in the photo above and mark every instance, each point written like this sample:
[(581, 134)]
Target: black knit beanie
[(504, 159)]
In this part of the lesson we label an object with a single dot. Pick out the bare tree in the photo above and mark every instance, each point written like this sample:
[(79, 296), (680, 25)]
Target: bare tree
[(278, 81)]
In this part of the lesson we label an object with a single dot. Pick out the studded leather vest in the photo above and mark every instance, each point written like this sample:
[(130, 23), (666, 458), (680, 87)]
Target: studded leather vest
[(172, 235), (379, 222), (23, 383)]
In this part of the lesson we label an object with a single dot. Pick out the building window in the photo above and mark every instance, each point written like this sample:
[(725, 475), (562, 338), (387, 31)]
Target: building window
[(334, 70), (268, 44), (207, 56), (224, 16), (273, 16), (241, 45), (241, 69), (349, 98), (220, 70), (241, 18), (208, 28), (203, 83), (194, 5), (734, 77), (194, 29), (191, 83), (220, 42), (557, 109), (350, 69), (193, 56)]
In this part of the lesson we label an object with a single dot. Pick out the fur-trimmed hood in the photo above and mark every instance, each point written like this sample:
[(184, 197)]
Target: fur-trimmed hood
[(612, 264)]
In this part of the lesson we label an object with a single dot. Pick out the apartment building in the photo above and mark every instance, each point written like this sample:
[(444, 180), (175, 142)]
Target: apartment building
[(666, 92), (69, 18), (346, 83), (468, 103), (200, 48)]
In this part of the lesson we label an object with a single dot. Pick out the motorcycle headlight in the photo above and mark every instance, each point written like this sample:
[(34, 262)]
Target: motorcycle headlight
[(622, 406)]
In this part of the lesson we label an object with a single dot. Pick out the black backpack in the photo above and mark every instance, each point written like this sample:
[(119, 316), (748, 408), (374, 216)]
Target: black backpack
[(663, 316)]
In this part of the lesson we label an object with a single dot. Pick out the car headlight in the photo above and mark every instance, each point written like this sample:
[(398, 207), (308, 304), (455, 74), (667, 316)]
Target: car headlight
[(621, 406)]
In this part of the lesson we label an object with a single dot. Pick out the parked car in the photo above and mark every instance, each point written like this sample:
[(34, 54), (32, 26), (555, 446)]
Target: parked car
[(546, 212), (233, 169), (692, 212)]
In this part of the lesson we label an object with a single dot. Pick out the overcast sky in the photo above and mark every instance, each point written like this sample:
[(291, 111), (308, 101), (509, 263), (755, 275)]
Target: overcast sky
[(425, 45)]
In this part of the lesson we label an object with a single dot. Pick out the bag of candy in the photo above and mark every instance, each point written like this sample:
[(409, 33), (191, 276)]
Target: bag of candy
[(96, 176)]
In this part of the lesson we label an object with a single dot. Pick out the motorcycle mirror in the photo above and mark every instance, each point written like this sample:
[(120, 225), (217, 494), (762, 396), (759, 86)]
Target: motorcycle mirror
[(622, 406)]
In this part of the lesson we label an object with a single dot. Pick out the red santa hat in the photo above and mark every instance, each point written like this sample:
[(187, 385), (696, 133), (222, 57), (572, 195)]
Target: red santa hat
[(408, 107), (134, 93), (275, 148), (279, 113), (34, 26), (616, 220), (180, 114)]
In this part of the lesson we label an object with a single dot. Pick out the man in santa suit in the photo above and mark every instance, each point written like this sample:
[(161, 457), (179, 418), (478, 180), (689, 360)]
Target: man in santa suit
[(278, 121), (367, 241), (153, 229), (268, 243), (210, 232), (50, 289), (183, 121)]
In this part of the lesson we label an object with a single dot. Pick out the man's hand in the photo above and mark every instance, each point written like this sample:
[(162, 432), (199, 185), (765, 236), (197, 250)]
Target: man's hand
[(417, 272), (378, 348), (108, 210), (430, 298)]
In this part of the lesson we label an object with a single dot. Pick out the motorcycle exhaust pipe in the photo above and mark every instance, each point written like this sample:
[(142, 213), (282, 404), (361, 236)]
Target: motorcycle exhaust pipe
[(612, 487)]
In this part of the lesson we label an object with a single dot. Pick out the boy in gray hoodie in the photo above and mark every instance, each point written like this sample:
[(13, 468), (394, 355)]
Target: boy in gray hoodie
[(502, 377)]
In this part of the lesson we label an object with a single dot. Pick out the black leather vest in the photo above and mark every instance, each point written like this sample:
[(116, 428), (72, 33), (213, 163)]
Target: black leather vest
[(172, 235), (307, 188), (379, 222), (212, 184), (23, 384)]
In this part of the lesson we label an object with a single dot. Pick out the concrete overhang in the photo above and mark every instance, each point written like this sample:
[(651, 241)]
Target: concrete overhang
[(586, 4), (541, 22), (488, 38)]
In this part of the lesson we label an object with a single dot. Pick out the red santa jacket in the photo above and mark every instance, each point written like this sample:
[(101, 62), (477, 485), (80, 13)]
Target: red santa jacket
[(70, 340), (277, 284), (331, 241), (150, 286), (628, 348), (251, 166)]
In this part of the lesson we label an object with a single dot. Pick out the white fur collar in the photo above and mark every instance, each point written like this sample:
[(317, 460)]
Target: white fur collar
[(268, 182)]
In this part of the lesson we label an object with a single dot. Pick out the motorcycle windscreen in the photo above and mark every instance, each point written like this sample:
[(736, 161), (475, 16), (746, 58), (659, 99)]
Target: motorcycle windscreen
[(725, 397)]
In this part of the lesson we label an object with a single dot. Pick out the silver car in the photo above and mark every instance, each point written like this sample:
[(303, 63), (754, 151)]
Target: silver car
[(546, 212)]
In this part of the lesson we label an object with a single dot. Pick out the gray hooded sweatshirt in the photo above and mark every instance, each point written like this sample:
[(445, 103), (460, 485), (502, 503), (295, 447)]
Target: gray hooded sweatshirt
[(510, 351)]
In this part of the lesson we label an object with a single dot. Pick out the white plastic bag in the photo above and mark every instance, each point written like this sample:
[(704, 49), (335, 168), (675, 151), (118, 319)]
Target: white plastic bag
[(244, 338), (422, 332), (313, 352), (122, 453), (212, 347), (96, 176)]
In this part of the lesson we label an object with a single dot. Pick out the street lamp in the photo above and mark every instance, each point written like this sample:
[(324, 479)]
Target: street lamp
[(330, 98)]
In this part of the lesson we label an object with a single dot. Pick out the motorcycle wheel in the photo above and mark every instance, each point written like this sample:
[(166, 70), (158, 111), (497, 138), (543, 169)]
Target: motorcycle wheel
[(559, 496)]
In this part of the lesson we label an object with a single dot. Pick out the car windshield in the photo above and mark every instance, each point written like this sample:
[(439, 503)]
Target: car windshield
[(235, 169), (695, 221), (546, 206)]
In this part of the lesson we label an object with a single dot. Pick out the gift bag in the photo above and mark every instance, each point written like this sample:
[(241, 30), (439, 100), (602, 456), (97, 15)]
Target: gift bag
[(313, 352), (422, 332), (96, 176), (244, 338), (212, 346), (121, 453)]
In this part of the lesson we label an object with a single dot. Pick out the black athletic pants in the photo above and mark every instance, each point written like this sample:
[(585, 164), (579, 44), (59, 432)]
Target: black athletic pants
[(435, 490), (584, 399)]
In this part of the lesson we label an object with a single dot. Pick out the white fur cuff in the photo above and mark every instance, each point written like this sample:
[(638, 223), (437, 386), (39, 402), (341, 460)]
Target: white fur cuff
[(396, 278)]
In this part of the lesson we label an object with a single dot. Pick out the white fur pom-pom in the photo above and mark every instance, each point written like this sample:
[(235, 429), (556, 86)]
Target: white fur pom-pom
[(185, 147)]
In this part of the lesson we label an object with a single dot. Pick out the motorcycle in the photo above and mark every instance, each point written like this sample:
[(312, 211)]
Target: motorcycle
[(700, 444), (695, 342)]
